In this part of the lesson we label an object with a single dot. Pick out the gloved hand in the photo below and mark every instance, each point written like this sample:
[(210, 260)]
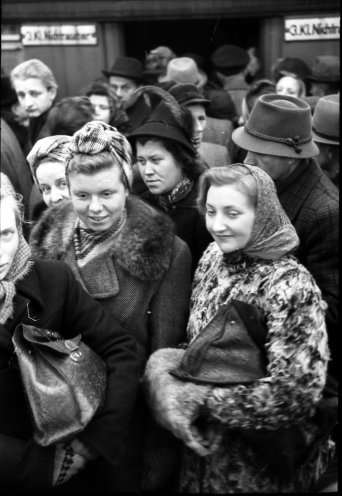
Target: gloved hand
[(70, 458)]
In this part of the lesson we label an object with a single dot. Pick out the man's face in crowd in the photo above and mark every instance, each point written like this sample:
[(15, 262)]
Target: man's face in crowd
[(123, 89), (33, 96)]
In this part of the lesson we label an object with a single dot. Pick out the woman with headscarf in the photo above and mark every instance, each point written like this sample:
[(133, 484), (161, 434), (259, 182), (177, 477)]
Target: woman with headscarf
[(124, 253), (170, 167), (45, 294), (220, 412), (47, 160)]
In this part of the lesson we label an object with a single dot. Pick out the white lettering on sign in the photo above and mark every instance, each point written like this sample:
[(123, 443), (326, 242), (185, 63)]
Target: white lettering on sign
[(64, 34), (327, 28)]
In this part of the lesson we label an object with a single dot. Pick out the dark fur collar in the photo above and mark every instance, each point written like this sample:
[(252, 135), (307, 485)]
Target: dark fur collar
[(143, 247)]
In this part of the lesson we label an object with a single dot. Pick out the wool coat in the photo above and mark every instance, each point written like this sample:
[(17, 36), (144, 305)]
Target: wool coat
[(214, 155), (49, 297), (215, 417), (144, 280), (311, 202)]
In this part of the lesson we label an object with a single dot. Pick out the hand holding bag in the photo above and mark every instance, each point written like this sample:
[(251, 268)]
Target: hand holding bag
[(64, 382)]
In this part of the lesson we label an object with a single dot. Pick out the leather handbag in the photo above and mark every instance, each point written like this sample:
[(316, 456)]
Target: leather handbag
[(64, 382)]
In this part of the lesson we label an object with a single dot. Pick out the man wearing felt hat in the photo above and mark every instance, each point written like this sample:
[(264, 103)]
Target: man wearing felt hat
[(326, 134), (125, 76), (278, 138)]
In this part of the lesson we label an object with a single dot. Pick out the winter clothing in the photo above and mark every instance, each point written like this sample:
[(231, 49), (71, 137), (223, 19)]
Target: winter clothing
[(214, 155), (211, 420), (52, 148), (49, 297)]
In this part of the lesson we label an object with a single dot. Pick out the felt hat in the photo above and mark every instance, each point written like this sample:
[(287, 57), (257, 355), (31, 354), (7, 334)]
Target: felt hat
[(326, 120), (184, 70), (127, 67), (279, 125), (228, 351), (162, 123), (188, 94), (326, 69), (230, 59), (8, 94), (290, 65)]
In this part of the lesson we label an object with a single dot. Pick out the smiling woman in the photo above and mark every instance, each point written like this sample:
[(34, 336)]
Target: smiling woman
[(127, 257)]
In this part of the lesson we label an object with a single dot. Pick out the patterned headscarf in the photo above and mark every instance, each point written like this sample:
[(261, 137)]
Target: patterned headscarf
[(97, 136), (21, 263), (54, 148), (273, 235)]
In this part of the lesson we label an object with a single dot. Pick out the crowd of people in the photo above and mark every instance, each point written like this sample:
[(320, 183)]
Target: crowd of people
[(171, 215)]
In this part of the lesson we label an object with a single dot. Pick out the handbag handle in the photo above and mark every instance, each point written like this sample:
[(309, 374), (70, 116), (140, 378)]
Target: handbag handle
[(50, 339)]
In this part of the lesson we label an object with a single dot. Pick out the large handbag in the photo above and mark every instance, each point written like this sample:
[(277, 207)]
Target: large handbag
[(64, 382)]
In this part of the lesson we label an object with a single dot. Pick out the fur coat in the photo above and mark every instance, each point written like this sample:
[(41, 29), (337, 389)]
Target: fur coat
[(210, 419)]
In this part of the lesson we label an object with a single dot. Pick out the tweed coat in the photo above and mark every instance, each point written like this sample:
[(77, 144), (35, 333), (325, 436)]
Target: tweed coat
[(297, 356), (312, 203), (214, 155), (219, 131), (50, 297)]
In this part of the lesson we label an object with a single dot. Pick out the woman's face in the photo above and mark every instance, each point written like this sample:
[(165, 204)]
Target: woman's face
[(200, 122), (158, 167), (52, 182), (229, 217), (98, 199), (101, 107), (9, 237), (288, 85)]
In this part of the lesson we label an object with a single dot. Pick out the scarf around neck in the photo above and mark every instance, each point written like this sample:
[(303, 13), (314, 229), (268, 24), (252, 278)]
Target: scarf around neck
[(19, 268), (178, 193)]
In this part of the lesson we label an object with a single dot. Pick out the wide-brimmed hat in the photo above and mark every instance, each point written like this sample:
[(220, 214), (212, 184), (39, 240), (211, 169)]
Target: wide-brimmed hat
[(279, 125), (188, 94), (326, 69), (230, 59), (162, 124), (326, 120), (184, 70), (127, 67)]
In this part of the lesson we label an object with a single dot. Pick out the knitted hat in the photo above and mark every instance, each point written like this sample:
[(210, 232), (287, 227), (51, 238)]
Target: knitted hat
[(230, 59), (188, 94), (326, 120), (326, 69), (184, 70), (96, 137), (127, 67), (278, 125)]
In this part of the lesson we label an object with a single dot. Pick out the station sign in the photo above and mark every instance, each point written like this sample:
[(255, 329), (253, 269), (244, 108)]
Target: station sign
[(58, 34), (312, 28)]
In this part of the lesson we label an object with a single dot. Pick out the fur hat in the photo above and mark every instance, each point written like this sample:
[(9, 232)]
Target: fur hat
[(188, 94), (230, 59), (278, 125), (326, 69), (127, 67), (326, 120), (167, 120), (184, 70)]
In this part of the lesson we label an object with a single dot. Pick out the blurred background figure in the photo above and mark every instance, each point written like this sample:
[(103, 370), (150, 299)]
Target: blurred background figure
[(125, 76), (68, 116), (252, 71), (156, 62), (325, 76), (36, 89), (326, 134), (184, 70), (290, 66), (106, 107), (13, 113), (291, 85)]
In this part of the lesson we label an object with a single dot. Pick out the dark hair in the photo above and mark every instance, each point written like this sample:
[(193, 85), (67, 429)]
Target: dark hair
[(83, 163), (192, 166), (236, 174), (258, 88), (69, 115)]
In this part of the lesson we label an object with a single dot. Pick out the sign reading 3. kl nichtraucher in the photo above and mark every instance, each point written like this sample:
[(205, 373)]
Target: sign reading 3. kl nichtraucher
[(61, 34), (323, 28)]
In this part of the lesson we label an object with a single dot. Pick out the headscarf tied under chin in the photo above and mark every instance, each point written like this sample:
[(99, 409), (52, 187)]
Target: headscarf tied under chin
[(95, 137), (52, 148), (20, 267), (273, 235)]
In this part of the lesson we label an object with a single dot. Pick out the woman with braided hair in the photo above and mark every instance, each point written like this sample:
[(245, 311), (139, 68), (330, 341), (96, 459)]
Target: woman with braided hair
[(127, 257)]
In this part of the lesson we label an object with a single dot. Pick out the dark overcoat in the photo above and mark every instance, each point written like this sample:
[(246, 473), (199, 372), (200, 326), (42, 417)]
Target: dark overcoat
[(50, 297)]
